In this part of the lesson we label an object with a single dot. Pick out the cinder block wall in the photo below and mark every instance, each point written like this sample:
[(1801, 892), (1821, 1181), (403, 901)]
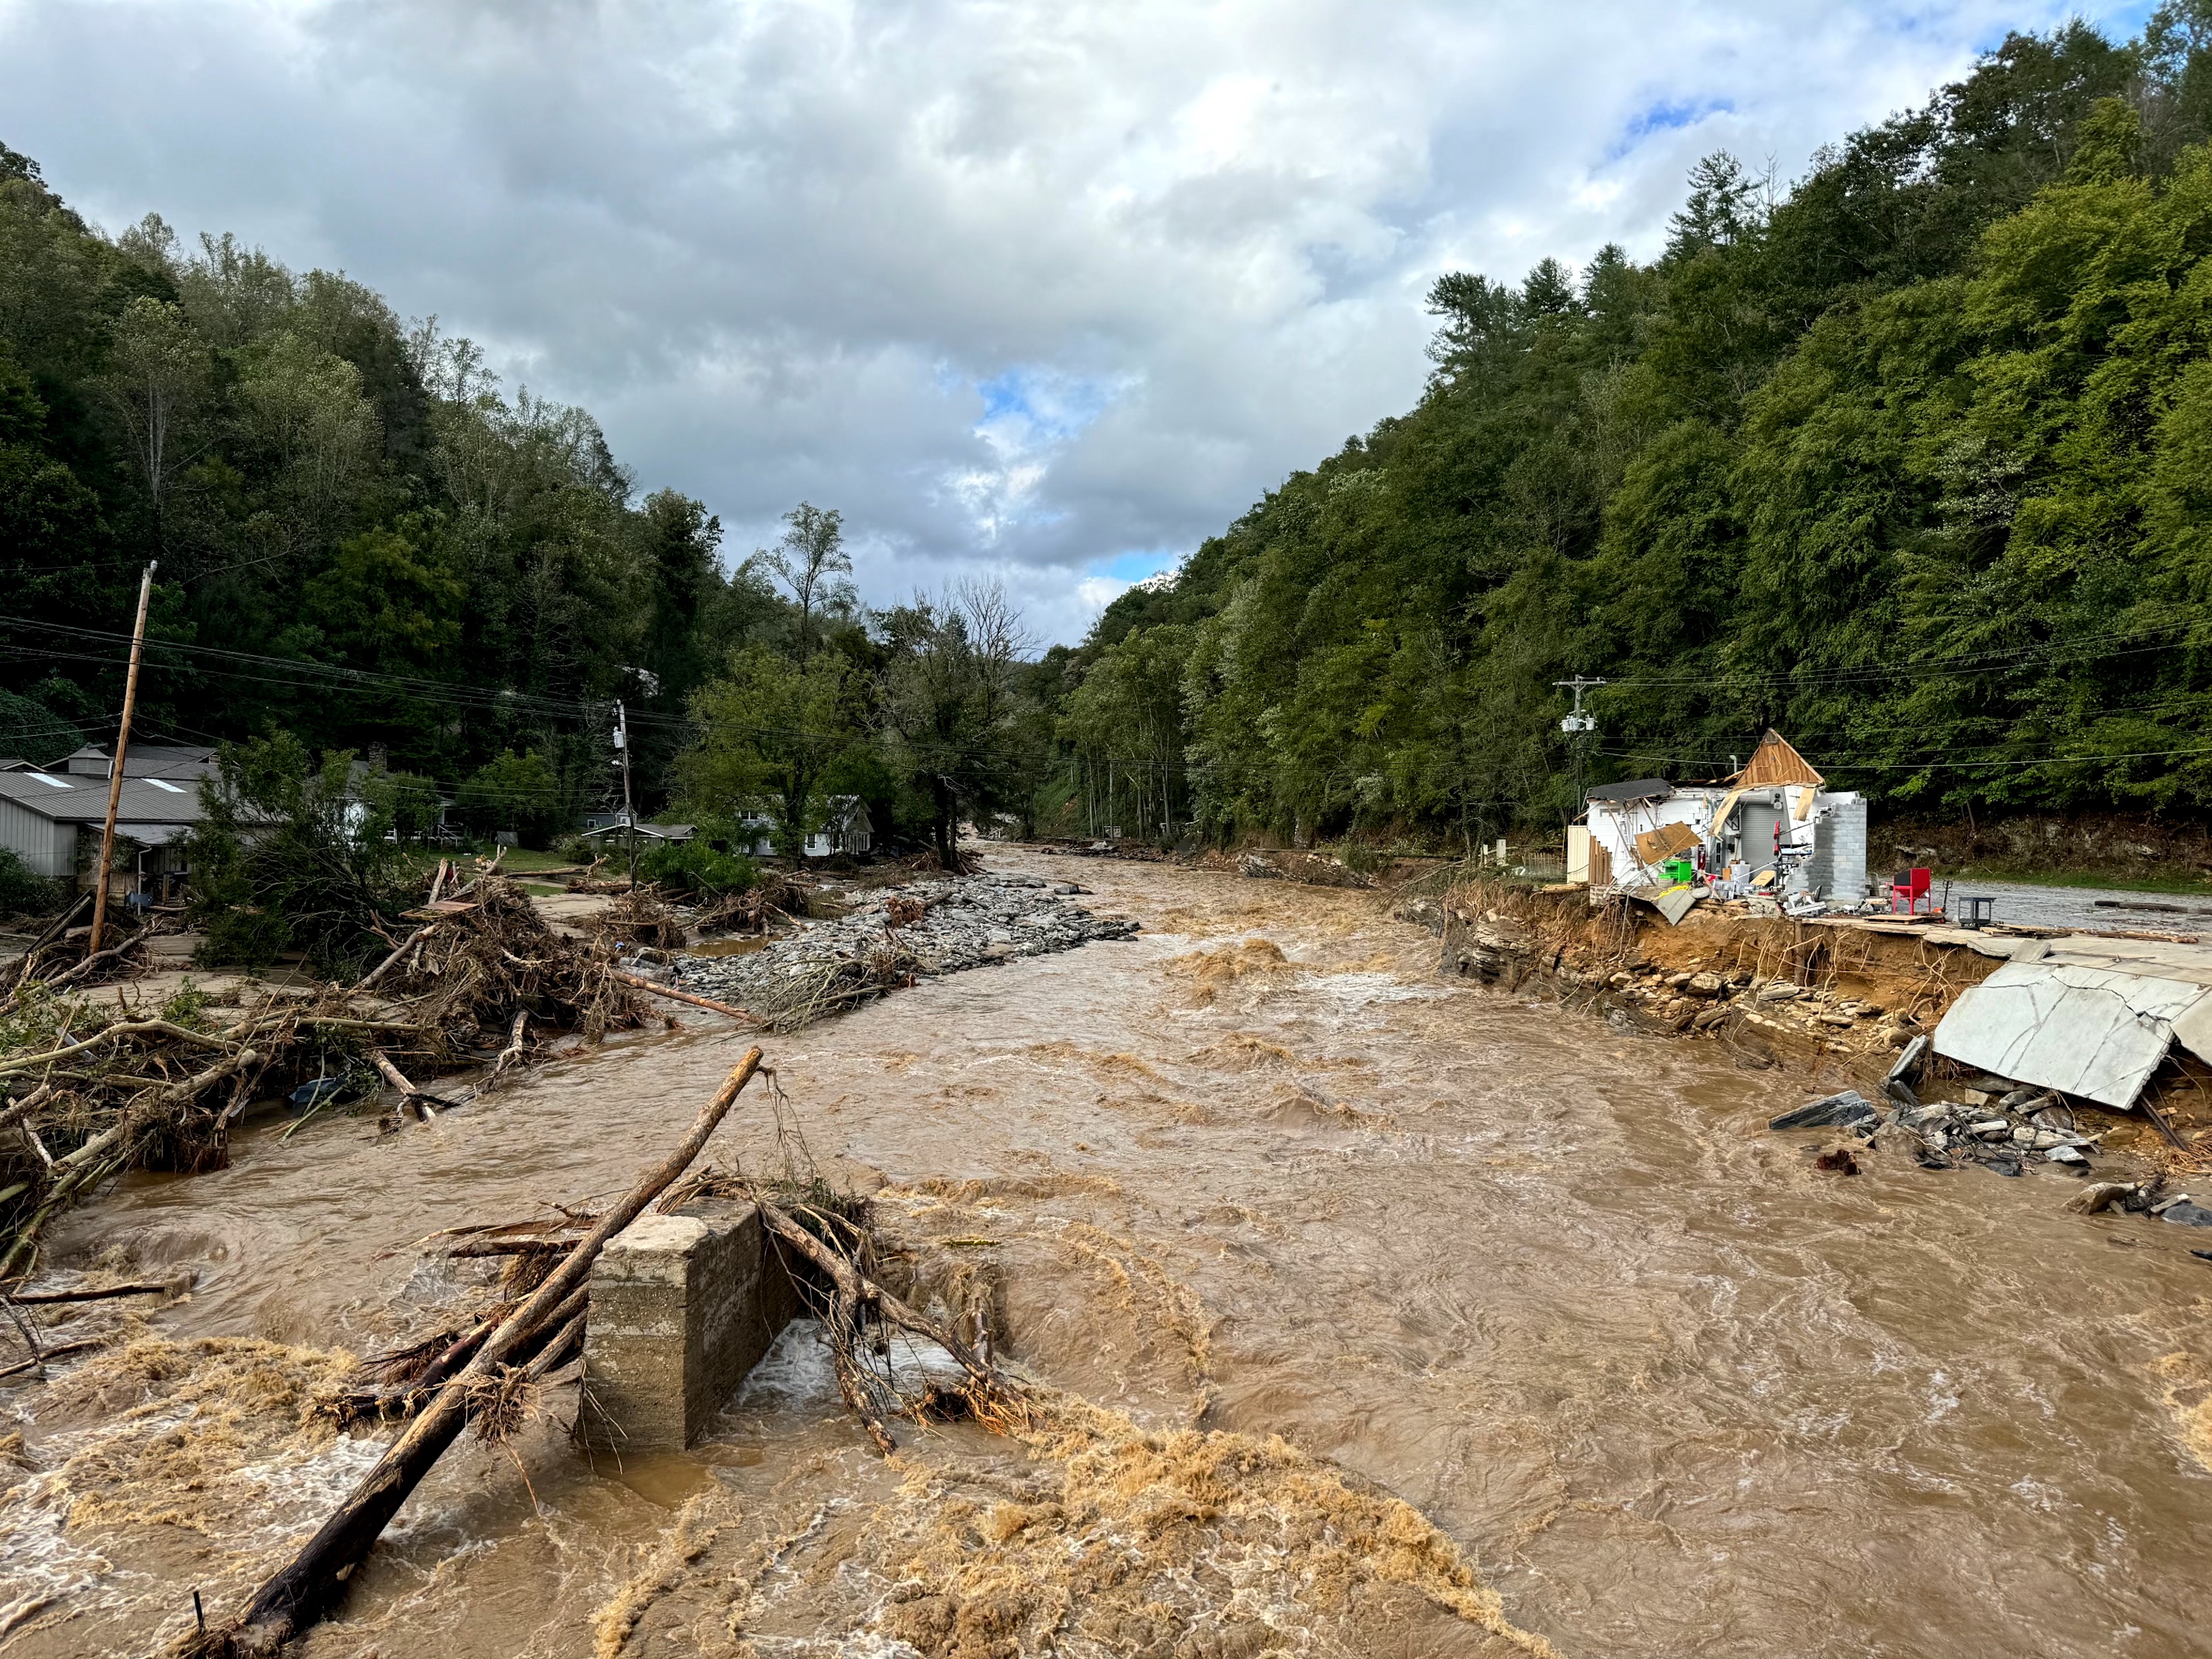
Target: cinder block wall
[(682, 1306)]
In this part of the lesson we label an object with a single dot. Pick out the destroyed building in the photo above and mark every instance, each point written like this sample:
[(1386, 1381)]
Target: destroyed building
[(1775, 827)]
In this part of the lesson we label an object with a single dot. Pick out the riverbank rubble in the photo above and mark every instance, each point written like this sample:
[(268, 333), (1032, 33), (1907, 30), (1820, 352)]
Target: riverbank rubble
[(921, 929)]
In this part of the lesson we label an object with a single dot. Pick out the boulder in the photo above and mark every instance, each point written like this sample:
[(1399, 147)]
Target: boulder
[(2096, 1198), (1703, 985), (2187, 1214)]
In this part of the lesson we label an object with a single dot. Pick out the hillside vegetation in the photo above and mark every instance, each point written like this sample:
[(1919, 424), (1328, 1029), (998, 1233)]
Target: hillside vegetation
[(1912, 460)]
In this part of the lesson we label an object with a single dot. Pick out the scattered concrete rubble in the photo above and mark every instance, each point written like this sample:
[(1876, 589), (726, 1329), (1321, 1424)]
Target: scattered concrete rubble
[(2004, 1132), (932, 926)]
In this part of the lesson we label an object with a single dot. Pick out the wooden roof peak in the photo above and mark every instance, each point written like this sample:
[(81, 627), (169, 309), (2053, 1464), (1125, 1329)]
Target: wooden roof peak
[(1775, 762)]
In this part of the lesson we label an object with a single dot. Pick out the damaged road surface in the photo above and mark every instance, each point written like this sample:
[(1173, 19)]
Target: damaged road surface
[(1374, 1312)]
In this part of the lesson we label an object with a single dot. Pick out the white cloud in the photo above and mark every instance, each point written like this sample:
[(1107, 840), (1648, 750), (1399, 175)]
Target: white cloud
[(1020, 287)]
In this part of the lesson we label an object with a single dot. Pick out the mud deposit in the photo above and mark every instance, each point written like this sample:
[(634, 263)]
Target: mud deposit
[(1383, 1317)]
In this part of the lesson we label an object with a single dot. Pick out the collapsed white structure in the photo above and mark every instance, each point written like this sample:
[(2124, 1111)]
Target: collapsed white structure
[(2091, 1017), (1775, 825)]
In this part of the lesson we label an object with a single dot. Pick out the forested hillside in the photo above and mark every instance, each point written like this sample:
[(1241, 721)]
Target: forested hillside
[(360, 539), (1912, 460)]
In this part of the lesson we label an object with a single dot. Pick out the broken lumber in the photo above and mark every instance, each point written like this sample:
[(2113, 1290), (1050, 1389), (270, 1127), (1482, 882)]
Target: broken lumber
[(695, 1000), (299, 1594)]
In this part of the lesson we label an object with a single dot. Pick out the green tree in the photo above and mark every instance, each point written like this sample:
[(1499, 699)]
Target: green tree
[(156, 381), (769, 730), (286, 857), (949, 709), (518, 793), (812, 563)]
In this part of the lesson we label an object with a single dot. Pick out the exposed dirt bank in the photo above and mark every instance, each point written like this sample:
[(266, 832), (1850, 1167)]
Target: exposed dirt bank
[(2150, 851)]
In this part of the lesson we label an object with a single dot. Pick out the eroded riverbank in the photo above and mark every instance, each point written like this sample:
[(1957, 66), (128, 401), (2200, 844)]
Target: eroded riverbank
[(1256, 1170)]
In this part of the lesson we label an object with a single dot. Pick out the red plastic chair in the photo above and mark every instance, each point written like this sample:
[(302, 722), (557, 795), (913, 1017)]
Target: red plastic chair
[(1910, 887)]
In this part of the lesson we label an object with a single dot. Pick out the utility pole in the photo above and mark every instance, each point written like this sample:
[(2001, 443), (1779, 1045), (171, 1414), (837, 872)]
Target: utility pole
[(1577, 726), (630, 813), (115, 764)]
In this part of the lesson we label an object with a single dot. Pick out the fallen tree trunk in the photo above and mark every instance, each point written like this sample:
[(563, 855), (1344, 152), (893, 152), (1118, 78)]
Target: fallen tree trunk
[(302, 1591), (30, 1298), (405, 946), (116, 1034), (695, 1000), (408, 1094)]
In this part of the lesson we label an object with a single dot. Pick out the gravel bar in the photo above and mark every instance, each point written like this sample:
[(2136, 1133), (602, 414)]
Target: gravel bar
[(972, 922)]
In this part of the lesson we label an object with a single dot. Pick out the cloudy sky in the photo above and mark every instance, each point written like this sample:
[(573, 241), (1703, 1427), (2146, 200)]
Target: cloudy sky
[(1050, 291)]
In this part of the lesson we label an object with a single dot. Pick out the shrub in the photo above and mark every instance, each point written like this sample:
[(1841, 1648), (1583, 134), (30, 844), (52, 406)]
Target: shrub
[(23, 891), (691, 867), (284, 860)]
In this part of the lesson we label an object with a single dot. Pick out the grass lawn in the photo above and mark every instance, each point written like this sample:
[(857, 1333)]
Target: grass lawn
[(2187, 885), (519, 861)]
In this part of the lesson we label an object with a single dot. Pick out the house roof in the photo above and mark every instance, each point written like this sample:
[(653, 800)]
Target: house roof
[(1634, 789), (657, 832), (147, 760), (84, 801), (1775, 762)]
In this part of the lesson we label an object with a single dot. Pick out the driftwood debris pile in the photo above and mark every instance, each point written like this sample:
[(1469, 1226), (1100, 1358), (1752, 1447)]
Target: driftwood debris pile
[(517, 1348), (89, 1088), (832, 1238), (61, 956), (641, 917), (775, 900)]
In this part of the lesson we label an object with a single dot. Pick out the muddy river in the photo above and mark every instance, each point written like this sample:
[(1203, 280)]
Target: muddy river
[(1668, 1391)]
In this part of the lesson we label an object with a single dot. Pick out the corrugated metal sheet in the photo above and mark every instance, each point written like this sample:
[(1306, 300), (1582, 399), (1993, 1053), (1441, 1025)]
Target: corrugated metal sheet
[(1635, 789)]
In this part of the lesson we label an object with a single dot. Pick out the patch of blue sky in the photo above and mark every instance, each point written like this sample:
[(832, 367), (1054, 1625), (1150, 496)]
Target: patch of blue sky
[(1133, 567), (2115, 23), (1666, 115), (1044, 406)]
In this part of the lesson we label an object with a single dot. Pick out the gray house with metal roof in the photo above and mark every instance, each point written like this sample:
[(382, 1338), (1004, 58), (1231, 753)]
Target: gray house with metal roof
[(52, 820)]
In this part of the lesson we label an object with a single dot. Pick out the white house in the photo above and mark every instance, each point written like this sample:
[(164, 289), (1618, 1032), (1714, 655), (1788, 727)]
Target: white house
[(846, 828), (1773, 826)]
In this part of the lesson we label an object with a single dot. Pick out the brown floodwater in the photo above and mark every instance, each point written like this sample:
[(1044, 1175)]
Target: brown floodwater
[(1670, 1391)]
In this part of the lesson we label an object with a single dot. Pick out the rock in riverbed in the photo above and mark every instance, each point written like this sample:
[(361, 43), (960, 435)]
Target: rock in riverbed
[(964, 922), (1835, 1111)]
